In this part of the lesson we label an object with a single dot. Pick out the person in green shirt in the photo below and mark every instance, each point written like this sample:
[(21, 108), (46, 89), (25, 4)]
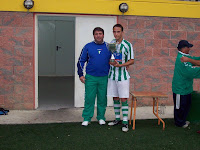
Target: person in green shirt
[(182, 83), (193, 61)]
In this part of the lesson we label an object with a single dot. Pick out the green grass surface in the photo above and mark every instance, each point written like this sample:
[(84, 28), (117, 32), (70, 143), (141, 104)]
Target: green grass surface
[(148, 135)]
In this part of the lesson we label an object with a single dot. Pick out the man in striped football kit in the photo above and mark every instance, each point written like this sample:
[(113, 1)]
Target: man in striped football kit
[(118, 78)]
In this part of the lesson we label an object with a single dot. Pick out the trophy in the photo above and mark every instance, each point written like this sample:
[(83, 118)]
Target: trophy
[(112, 47)]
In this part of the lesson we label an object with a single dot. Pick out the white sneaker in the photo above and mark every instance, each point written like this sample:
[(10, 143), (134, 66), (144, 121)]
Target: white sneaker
[(125, 127), (186, 124), (102, 122), (85, 123)]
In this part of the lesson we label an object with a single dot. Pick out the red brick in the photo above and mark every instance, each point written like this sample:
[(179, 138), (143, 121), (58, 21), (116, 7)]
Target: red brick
[(173, 52), (18, 79), (23, 70), (12, 21), (7, 80), (170, 43), (162, 70), (6, 70), (23, 89), (23, 51), (154, 25), (7, 89), (142, 52), (167, 61), (151, 61), (141, 70), (6, 31), (162, 19), (170, 25), (15, 61), (159, 87), (130, 34), (1, 99), (162, 52), (197, 26), (5, 40), (179, 35), (196, 44), (27, 20), (25, 32), (136, 24), (144, 34), (144, 102), (186, 26), (137, 78), (151, 43), (28, 98), (123, 22), (18, 41), (28, 61), (161, 34), (28, 42), (137, 43), (193, 36), (142, 87), (28, 80), (28, 106), (138, 60)]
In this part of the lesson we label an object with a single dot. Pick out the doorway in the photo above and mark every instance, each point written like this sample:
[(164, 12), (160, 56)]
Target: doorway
[(56, 57)]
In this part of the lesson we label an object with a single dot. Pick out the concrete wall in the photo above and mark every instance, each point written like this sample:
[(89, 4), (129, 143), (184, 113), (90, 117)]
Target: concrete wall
[(154, 41)]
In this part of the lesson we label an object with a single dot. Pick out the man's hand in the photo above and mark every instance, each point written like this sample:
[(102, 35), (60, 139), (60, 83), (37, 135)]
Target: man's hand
[(112, 63), (82, 78), (185, 59), (116, 64), (127, 67)]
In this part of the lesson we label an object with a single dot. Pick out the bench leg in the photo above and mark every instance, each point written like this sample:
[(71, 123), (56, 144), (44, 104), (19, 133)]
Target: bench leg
[(134, 113), (156, 114), (131, 111)]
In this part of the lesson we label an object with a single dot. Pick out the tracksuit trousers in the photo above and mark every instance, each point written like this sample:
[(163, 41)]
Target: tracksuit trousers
[(182, 105), (95, 87)]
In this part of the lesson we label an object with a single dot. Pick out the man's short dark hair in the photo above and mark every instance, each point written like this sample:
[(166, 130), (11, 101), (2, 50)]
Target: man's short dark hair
[(118, 25), (98, 29)]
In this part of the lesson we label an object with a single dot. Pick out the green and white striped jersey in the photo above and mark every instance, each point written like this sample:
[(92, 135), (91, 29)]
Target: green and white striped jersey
[(124, 52)]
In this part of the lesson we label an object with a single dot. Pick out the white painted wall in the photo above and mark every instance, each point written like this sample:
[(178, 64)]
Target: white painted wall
[(84, 28)]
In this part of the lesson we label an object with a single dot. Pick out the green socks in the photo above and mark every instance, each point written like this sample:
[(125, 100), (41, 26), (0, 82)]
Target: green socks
[(117, 107), (125, 112)]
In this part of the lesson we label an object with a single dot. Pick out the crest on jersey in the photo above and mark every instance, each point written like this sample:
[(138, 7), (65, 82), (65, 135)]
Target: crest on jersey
[(99, 51)]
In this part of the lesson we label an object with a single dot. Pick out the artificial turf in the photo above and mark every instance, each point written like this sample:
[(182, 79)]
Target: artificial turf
[(148, 135)]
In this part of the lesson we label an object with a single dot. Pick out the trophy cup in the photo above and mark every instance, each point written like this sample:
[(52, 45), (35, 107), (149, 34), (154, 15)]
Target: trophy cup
[(112, 47)]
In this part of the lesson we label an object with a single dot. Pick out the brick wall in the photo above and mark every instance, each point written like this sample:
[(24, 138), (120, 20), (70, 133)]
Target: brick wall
[(154, 41), (16, 60)]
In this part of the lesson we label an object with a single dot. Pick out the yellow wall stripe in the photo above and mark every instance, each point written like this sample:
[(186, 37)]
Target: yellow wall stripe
[(162, 8)]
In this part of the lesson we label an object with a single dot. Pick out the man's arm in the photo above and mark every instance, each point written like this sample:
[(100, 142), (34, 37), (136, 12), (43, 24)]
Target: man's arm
[(80, 65), (116, 64), (130, 58), (193, 61), (190, 71)]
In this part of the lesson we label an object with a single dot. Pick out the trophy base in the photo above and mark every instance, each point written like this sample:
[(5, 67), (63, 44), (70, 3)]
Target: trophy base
[(112, 60)]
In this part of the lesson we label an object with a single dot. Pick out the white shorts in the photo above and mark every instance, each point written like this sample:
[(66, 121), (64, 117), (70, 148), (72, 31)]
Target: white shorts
[(118, 88)]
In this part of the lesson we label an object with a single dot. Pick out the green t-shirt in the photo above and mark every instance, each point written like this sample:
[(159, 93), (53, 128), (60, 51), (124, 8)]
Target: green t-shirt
[(184, 73)]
